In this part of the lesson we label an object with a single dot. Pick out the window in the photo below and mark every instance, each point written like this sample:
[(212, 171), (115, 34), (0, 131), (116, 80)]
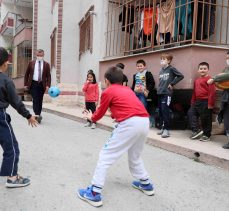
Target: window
[(86, 32), (24, 55)]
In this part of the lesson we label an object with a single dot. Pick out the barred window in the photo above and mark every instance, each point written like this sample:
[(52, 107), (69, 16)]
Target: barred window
[(24, 55), (86, 32), (136, 26)]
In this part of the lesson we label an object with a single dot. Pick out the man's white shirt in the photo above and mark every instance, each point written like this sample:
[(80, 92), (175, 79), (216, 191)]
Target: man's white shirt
[(36, 73)]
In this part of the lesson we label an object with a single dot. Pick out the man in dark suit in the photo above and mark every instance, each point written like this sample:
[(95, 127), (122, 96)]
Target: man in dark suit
[(37, 80)]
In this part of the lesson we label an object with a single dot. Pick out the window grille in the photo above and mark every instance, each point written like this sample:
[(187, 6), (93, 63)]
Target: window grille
[(137, 26), (24, 56), (86, 32)]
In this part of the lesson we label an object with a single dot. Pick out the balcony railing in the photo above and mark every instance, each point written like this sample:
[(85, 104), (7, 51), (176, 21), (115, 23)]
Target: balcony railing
[(135, 26), (8, 24), (24, 25), (22, 3)]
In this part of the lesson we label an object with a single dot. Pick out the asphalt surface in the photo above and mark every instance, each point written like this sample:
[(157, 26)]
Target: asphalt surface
[(60, 155)]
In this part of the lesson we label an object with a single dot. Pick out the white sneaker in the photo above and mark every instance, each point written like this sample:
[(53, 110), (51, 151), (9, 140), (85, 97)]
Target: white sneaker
[(88, 124), (93, 126), (165, 134)]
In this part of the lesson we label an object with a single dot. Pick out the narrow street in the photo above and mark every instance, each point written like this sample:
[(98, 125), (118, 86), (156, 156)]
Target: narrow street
[(60, 156)]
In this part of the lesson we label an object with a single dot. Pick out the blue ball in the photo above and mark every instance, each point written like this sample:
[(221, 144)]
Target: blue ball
[(53, 91)]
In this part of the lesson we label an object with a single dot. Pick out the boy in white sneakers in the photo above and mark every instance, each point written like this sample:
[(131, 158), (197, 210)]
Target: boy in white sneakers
[(128, 136)]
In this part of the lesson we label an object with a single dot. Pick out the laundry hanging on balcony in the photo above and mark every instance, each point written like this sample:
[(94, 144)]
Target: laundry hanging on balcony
[(165, 20), (206, 19), (127, 19), (148, 23), (183, 19)]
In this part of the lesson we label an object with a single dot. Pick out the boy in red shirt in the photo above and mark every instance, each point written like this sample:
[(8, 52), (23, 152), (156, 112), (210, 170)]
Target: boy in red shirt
[(202, 103), (128, 136)]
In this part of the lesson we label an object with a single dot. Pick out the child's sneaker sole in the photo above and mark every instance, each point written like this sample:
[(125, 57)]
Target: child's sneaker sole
[(197, 135), (93, 203), (147, 192), (18, 183)]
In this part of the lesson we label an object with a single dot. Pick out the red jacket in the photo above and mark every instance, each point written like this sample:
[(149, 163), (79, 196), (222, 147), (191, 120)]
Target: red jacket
[(122, 102), (91, 92), (204, 91)]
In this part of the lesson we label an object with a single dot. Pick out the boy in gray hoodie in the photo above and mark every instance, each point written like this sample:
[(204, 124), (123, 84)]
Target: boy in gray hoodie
[(168, 77)]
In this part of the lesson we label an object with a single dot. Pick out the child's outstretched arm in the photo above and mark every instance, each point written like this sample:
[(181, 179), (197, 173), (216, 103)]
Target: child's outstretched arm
[(104, 104), (32, 121), (87, 114), (17, 104)]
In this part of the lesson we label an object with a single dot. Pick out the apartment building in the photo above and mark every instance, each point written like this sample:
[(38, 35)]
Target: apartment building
[(80, 35), (95, 34), (16, 35)]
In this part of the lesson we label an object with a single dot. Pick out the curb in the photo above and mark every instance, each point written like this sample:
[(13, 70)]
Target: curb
[(192, 154)]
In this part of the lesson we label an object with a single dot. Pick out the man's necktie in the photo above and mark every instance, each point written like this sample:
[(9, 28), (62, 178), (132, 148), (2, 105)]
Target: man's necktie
[(39, 72)]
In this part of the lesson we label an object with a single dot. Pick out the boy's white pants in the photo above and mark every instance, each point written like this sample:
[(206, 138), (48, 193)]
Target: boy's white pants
[(129, 136)]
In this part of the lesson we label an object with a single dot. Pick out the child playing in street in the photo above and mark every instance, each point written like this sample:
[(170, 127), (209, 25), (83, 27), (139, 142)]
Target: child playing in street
[(202, 103), (9, 144), (91, 93), (143, 82), (169, 76), (224, 108), (128, 136)]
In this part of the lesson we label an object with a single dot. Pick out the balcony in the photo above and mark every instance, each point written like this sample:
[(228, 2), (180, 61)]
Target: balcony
[(139, 26), (8, 25), (22, 3), (24, 24), (23, 32)]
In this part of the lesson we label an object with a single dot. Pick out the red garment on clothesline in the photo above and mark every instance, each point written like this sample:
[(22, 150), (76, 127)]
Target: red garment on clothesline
[(148, 20)]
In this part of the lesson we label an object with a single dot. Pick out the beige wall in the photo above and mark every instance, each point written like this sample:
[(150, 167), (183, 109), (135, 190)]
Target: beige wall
[(185, 59), (44, 28)]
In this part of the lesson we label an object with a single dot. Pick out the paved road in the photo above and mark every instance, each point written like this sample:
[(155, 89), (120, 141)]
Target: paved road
[(60, 156)]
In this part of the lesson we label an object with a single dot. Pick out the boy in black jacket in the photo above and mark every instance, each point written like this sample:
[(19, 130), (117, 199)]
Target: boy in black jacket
[(168, 77), (8, 142), (143, 82)]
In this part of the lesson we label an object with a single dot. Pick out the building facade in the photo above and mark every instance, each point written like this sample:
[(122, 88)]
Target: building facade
[(95, 34), (16, 35)]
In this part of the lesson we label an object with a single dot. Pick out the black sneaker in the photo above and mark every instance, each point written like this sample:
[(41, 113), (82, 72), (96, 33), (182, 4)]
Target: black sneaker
[(196, 134), (18, 182), (205, 138), (226, 146), (38, 118)]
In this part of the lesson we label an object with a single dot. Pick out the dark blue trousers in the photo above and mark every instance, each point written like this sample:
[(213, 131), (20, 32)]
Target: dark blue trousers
[(164, 110), (37, 92), (9, 145), (200, 110)]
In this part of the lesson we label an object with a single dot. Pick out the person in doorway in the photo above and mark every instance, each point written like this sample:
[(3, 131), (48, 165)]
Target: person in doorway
[(38, 80), (8, 141)]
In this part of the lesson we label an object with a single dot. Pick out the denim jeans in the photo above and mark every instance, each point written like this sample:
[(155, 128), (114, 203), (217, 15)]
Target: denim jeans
[(142, 98)]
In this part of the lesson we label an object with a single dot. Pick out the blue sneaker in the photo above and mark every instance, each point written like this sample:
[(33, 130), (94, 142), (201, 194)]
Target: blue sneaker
[(86, 195), (146, 189)]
